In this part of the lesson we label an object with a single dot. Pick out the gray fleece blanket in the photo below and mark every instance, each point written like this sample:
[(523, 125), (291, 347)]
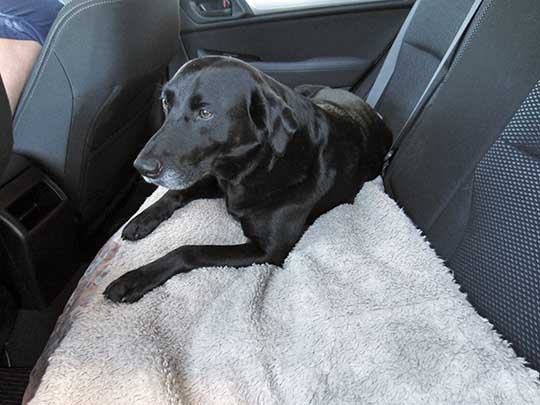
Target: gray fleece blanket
[(362, 312)]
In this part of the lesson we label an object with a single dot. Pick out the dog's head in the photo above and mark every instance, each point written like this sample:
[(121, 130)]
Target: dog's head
[(217, 111)]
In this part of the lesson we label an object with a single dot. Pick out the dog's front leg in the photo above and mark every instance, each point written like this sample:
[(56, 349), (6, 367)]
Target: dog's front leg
[(133, 285), (148, 220)]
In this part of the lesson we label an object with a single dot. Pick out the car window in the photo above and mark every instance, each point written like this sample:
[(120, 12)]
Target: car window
[(274, 6)]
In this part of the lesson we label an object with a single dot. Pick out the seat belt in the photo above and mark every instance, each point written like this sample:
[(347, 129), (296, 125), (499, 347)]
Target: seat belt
[(389, 65), (436, 79)]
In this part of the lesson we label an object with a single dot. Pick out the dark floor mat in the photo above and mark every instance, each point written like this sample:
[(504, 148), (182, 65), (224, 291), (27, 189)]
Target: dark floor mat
[(29, 336), (13, 382)]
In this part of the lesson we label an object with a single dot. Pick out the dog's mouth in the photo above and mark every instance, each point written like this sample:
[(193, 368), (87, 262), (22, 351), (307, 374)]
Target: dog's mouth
[(173, 173), (174, 179)]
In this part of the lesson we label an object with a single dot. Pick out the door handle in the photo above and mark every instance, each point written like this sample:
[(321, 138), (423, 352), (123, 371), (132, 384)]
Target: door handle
[(213, 8)]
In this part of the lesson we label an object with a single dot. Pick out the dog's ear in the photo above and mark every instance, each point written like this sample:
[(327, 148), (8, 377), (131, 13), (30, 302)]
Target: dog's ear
[(275, 121)]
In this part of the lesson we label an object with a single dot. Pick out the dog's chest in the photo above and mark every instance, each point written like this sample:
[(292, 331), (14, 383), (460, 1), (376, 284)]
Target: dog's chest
[(235, 201), (243, 202)]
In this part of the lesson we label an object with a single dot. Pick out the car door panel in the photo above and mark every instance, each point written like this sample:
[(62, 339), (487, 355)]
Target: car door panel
[(333, 46), (334, 71)]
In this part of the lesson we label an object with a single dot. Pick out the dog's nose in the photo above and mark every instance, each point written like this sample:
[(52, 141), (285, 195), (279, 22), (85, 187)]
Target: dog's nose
[(150, 168)]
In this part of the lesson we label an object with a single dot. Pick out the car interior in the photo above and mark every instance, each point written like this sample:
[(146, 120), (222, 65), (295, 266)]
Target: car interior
[(455, 81)]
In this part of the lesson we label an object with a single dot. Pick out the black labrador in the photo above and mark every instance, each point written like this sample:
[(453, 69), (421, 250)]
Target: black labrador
[(279, 157)]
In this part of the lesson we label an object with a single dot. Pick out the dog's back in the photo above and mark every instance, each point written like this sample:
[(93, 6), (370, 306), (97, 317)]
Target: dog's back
[(374, 133)]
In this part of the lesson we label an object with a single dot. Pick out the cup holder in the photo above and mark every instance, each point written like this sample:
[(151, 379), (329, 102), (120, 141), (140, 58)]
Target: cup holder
[(34, 206)]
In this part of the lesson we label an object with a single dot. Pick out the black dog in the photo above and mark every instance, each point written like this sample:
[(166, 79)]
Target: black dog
[(280, 159)]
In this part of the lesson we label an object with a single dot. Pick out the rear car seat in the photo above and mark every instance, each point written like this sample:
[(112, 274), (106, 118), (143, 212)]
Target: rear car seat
[(468, 172), (427, 38)]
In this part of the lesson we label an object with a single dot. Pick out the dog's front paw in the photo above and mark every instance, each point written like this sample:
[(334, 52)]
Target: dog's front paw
[(140, 226), (130, 287)]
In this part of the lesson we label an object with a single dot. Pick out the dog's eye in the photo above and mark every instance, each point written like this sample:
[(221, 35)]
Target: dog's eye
[(205, 114), (165, 104)]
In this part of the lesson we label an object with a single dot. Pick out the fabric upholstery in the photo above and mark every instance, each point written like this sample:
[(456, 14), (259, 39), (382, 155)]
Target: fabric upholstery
[(467, 173), (432, 29)]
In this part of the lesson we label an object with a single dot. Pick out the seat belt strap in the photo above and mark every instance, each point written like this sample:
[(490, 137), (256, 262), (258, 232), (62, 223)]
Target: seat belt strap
[(436, 79), (389, 65)]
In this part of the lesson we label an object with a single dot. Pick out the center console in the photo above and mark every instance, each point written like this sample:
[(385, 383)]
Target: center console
[(38, 235)]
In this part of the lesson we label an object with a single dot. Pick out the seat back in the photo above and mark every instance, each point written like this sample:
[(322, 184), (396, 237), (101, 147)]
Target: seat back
[(468, 173), (83, 115), (6, 137), (429, 35)]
